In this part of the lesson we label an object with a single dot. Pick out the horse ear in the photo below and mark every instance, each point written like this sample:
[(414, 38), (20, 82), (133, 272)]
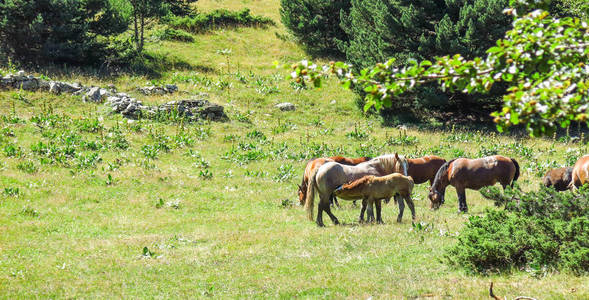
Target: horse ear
[(396, 155)]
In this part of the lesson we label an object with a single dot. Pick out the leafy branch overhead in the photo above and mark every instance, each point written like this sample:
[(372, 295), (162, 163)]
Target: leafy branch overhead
[(543, 59)]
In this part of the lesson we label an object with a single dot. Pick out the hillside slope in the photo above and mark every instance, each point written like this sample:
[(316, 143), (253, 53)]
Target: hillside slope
[(97, 206)]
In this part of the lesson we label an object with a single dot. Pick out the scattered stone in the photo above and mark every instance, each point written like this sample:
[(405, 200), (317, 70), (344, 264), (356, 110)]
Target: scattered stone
[(159, 90), (93, 95), (285, 106), (194, 109), (191, 109), (122, 103)]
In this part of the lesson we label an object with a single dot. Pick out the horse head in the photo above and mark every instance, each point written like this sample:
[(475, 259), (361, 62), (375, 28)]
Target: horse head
[(302, 194), (436, 198)]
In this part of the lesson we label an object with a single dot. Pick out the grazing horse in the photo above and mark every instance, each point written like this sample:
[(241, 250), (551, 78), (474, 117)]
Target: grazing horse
[(372, 189), (464, 173), (559, 178), (580, 174), (331, 175), (315, 163)]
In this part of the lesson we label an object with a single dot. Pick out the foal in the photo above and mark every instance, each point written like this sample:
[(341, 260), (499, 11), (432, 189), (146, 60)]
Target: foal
[(372, 189)]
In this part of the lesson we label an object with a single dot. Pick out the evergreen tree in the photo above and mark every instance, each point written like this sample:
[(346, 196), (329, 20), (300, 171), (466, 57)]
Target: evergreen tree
[(315, 23), (378, 30), (56, 31)]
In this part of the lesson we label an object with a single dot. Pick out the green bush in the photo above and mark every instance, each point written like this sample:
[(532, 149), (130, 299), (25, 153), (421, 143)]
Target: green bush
[(171, 34), (538, 228), (315, 24), (218, 18)]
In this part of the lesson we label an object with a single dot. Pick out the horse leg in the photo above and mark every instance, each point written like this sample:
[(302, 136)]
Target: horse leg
[(401, 208), (327, 209), (378, 211), (462, 200), (411, 206), (370, 212), (322, 201), (333, 200), (354, 203), (362, 210)]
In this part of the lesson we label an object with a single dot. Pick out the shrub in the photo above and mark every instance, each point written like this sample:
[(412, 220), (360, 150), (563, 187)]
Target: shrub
[(218, 18), (315, 24), (539, 228), (28, 167), (171, 34)]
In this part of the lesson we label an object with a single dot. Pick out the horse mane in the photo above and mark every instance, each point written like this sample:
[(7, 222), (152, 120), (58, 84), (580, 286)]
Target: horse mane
[(442, 171), (356, 183), (388, 161)]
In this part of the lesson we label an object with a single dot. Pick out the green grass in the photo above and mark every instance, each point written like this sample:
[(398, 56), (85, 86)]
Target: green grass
[(213, 204)]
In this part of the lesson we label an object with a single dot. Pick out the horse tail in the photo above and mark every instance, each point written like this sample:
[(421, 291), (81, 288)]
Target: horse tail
[(309, 202), (516, 176)]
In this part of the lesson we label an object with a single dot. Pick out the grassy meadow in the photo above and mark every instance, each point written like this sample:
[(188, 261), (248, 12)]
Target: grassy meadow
[(96, 206)]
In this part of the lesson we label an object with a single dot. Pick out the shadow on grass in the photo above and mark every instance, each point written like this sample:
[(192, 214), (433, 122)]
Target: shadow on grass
[(149, 64)]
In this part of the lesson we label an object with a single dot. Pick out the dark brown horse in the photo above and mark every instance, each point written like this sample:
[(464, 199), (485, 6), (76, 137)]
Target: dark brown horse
[(559, 178), (580, 174), (424, 168), (464, 173), (315, 163)]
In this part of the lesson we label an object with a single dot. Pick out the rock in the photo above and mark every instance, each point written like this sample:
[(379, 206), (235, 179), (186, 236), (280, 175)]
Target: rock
[(43, 85), (28, 84), (55, 87), (171, 88), (285, 106), (104, 93), (93, 95), (65, 87), (159, 90), (196, 109)]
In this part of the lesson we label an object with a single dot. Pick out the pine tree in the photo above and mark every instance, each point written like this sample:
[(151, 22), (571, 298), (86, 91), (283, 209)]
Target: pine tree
[(315, 23), (56, 31), (378, 30)]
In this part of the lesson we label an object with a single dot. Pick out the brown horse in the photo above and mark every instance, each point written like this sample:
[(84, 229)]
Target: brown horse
[(580, 174), (559, 178), (372, 189), (424, 168), (464, 173), (331, 175), (315, 163)]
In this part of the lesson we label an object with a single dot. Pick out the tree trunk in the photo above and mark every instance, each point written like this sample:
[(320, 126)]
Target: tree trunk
[(142, 30), (136, 31)]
